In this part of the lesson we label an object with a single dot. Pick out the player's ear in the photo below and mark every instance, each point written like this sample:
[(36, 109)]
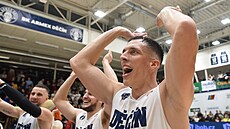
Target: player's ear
[(154, 63)]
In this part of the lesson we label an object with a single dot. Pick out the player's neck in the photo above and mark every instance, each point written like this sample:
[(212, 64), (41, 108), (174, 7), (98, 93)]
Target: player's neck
[(139, 91), (90, 114)]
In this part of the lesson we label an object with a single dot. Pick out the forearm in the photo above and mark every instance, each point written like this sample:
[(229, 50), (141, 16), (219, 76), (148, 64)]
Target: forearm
[(62, 92), (91, 53), (20, 100), (172, 19), (9, 109), (60, 99), (109, 72)]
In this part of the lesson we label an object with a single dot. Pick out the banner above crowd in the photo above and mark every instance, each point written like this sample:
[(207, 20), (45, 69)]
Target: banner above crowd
[(21, 18)]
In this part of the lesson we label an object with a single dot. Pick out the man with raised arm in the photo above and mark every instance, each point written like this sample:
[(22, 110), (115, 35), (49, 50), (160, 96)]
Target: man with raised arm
[(29, 113), (139, 102), (92, 115)]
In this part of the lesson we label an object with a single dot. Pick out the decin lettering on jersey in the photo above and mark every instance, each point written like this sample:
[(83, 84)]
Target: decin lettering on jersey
[(123, 120)]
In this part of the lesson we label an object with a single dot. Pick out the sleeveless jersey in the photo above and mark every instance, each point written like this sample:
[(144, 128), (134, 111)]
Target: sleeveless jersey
[(146, 112), (27, 121), (93, 122)]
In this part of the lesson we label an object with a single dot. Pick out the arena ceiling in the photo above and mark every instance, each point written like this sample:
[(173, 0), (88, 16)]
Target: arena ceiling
[(128, 13)]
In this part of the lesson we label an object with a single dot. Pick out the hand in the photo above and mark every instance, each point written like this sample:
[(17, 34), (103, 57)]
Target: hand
[(140, 34), (159, 21), (108, 57), (177, 8), (1, 81), (125, 33), (73, 74)]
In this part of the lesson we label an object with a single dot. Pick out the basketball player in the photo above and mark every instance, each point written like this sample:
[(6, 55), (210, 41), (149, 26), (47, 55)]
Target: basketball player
[(145, 104), (93, 115), (30, 115)]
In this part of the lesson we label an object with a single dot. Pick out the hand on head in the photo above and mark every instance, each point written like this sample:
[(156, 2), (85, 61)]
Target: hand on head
[(144, 34), (125, 33), (159, 22)]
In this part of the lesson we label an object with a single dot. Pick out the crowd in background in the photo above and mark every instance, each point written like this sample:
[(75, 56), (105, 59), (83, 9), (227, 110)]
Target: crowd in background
[(24, 80), (221, 76), (210, 117)]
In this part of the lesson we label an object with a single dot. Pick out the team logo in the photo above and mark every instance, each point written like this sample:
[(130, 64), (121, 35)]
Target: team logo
[(76, 34), (8, 15), (82, 117), (124, 96)]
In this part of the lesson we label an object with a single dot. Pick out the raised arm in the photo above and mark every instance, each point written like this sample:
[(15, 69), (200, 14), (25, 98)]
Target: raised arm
[(60, 99), (180, 62), (92, 77), (9, 109), (23, 103), (108, 70)]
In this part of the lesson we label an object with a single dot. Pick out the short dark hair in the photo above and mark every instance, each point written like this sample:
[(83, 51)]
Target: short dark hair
[(155, 47), (43, 86)]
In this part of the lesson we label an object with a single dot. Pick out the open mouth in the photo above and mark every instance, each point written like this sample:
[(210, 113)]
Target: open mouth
[(85, 102), (127, 70), (34, 102)]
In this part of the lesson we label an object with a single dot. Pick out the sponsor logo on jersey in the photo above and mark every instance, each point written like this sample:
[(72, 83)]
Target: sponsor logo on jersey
[(82, 117)]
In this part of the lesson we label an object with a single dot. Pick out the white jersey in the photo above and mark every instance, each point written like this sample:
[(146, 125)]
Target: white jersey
[(146, 112), (27, 121), (93, 122)]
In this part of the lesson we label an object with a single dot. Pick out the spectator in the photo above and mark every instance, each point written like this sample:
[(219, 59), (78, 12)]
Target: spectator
[(221, 115), (4, 75), (200, 117), (226, 76), (217, 119), (41, 82), (29, 82), (226, 117), (20, 75), (220, 76), (211, 77), (11, 75)]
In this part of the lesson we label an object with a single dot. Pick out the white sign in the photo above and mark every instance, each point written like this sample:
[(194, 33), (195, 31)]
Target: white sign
[(208, 85)]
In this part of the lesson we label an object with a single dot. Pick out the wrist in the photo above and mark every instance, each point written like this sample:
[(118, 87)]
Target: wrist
[(120, 31), (105, 61)]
